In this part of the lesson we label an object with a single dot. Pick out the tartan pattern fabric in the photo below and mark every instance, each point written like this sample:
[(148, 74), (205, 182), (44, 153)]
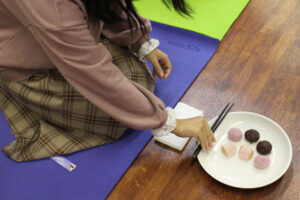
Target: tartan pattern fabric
[(48, 117)]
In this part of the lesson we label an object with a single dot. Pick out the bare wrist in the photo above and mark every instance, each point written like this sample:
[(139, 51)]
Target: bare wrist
[(178, 127)]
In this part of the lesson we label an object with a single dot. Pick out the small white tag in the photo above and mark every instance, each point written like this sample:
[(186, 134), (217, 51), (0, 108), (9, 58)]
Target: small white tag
[(65, 163)]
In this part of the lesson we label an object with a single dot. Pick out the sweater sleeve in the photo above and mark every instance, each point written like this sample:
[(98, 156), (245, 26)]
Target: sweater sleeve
[(88, 66), (121, 34)]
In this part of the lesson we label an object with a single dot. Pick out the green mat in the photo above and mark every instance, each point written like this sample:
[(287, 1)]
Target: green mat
[(211, 17)]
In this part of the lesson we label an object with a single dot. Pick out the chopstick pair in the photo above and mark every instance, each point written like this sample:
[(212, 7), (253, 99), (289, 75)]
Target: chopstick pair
[(214, 127)]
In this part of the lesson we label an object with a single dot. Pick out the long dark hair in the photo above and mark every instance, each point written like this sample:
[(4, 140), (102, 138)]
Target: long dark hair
[(109, 11)]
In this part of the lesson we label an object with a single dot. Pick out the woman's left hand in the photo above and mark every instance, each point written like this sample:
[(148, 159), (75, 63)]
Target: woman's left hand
[(161, 64)]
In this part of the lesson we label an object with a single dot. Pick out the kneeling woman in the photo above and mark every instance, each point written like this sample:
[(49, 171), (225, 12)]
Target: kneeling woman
[(72, 77)]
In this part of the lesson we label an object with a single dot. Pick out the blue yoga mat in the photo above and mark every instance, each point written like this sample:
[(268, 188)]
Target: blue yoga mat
[(99, 169)]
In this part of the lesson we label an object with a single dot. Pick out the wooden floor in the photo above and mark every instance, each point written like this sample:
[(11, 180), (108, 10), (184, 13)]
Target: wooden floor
[(256, 66)]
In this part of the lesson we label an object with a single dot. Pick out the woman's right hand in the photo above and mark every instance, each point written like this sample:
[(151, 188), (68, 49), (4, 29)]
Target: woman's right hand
[(195, 127)]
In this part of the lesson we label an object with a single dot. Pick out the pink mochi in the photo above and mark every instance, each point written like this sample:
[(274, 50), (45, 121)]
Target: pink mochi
[(261, 162), (235, 134), (246, 152), (228, 149)]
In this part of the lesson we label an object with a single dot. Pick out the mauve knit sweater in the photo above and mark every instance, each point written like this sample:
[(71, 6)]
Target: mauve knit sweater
[(46, 34)]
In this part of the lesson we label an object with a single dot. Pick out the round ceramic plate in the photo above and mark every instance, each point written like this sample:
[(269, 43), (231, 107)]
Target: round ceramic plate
[(240, 173)]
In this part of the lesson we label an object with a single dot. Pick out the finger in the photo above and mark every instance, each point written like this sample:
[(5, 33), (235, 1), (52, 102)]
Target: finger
[(154, 75), (209, 143), (157, 68), (213, 138), (167, 73), (211, 135), (168, 67), (203, 145), (208, 140), (206, 146)]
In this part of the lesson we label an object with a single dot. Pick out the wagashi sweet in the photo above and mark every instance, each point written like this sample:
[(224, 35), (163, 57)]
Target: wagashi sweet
[(261, 162), (228, 149), (264, 147), (235, 134), (246, 152), (252, 135)]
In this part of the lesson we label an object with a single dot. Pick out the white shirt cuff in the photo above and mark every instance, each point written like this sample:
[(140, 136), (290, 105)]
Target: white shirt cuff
[(147, 47), (169, 125)]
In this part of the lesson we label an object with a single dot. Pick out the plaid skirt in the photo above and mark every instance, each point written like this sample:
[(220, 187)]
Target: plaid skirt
[(48, 117)]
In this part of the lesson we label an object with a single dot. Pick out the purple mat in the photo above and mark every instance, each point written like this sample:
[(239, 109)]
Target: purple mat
[(99, 169)]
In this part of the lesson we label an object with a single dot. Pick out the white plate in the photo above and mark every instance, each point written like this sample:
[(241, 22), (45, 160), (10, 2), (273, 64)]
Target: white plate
[(239, 173)]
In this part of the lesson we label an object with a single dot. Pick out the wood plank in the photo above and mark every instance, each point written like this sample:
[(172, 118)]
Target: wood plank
[(257, 66)]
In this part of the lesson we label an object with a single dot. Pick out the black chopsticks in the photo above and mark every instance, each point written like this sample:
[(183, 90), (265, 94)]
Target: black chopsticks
[(214, 127)]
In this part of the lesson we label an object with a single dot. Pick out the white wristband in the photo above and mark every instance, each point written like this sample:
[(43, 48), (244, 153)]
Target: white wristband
[(147, 47), (169, 125)]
